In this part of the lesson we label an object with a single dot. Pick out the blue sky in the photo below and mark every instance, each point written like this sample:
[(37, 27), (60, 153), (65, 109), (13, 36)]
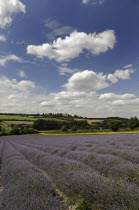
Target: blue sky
[(78, 57)]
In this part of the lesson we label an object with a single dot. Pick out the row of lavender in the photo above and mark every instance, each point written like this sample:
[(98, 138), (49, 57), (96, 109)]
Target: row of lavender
[(1, 188), (24, 185), (76, 166)]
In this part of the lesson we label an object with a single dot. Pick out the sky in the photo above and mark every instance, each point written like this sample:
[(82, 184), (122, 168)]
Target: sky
[(78, 57)]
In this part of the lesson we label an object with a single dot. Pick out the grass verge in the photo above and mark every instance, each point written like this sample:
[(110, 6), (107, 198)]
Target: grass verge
[(58, 133)]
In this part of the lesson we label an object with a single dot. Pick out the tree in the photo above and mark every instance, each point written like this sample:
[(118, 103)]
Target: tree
[(64, 128), (114, 125), (15, 130), (133, 123), (74, 128)]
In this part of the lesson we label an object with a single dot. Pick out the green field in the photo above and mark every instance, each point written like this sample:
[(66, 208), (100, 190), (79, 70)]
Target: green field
[(16, 118), (20, 118)]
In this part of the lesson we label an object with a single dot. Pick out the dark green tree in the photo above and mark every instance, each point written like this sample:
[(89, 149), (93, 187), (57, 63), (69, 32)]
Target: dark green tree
[(114, 125), (133, 123), (74, 128), (64, 128)]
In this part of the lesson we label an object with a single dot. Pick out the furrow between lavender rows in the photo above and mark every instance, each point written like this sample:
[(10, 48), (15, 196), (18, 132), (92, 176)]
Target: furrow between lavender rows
[(77, 180)]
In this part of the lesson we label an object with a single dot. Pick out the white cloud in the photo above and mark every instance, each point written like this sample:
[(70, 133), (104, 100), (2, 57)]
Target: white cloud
[(7, 9), (20, 42), (64, 70), (7, 58), (68, 95), (85, 1), (2, 38), (123, 74), (112, 78), (23, 85), (21, 74), (72, 46), (94, 2), (87, 81), (126, 102), (12, 96), (13, 84), (109, 96), (49, 103), (52, 24), (128, 66)]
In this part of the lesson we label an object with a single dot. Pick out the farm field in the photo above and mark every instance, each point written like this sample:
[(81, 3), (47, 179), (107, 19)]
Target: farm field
[(88, 120), (19, 122), (16, 118), (20, 118), (69, 172)]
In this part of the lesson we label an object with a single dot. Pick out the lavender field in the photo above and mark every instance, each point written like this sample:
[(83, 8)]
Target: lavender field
[(69, 172)]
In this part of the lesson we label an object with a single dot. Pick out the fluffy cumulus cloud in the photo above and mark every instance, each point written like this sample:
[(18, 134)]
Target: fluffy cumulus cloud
[(63, 97), (2, 38), (72, 46), (126, 102), (16, 96), (121, 74), (7, 58), (23, 85), (116, 96), (87, 81), (112, 78), (121, 100), (8, 8)]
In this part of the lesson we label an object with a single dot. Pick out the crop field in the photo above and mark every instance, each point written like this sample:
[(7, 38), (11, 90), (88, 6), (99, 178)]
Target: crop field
[(16, 118), (69, 172), (88, 120), (18, 122)]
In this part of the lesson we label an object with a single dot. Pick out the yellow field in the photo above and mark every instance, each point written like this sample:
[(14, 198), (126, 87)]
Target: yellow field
[(88, 120)]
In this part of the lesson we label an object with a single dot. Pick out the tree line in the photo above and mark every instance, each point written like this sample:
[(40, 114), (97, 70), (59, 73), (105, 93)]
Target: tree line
[(57, 125), (118, 124)]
